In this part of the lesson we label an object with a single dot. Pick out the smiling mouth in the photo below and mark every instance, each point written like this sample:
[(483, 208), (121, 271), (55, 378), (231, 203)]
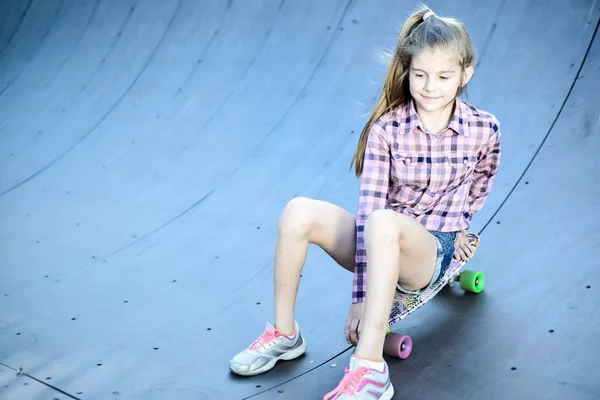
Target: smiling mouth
[(430, 98)]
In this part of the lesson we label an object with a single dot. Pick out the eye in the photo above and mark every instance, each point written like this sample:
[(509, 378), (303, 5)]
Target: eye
[(444, 77), (419, 75)]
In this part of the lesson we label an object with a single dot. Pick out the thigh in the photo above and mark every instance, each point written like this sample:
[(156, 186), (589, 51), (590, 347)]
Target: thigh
[(328, 226), (418, 256), (418, 250)]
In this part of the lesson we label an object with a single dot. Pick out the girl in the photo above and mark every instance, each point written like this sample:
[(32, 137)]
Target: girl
[(428, 161)]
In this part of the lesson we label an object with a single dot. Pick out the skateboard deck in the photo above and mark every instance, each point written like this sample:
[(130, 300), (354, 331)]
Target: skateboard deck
[(404, 304)]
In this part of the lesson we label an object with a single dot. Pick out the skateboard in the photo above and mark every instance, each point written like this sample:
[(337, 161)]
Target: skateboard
[(400, 346)]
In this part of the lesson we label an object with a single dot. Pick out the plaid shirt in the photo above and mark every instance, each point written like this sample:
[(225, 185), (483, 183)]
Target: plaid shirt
[(440, 180)]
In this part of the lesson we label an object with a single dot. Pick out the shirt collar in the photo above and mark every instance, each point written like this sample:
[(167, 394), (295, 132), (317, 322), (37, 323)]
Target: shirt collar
[(457, 122)]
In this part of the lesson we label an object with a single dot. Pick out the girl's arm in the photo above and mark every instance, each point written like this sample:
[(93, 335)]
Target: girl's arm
[(485, 171)]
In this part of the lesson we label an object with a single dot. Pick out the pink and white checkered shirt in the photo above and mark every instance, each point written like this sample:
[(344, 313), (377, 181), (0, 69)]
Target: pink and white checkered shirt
[(440, 180)]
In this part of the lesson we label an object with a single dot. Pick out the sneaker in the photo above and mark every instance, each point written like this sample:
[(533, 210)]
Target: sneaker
[(362, 382), (270, 347)]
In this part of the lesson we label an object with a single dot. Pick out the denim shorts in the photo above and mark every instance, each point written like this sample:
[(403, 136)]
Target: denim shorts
[(445, 252)]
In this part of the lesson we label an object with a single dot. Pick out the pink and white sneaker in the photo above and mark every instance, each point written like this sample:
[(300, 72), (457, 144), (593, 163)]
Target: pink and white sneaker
[(363, 383), (270, 347)]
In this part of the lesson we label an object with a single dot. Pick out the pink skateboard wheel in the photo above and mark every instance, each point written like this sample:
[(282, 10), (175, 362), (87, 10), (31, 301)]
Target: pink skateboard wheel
[(398, 346)]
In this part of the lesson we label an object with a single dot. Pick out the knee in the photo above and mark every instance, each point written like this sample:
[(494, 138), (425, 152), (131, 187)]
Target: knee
[(382, 227), (297, 217)]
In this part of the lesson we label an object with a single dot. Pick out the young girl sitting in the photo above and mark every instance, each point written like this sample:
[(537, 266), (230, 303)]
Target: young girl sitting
[(428, 161)]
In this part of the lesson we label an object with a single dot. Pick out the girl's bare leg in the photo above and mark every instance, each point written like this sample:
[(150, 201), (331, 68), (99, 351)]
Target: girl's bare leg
[(399, 249), (302, 222)]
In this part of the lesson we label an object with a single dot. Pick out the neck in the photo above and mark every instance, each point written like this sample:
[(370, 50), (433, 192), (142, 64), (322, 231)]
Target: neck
[(438, 120)]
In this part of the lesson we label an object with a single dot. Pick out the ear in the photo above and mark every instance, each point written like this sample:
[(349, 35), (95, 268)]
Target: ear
[(469, 71)]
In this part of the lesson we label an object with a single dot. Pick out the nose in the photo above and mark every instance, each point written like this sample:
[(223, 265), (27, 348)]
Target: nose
[(429, 85)]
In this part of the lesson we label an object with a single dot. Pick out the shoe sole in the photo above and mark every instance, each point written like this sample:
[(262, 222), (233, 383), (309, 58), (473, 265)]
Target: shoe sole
[(388, 394), (290, 355)]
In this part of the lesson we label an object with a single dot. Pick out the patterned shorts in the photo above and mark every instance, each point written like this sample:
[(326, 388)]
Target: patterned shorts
[(445, 244)]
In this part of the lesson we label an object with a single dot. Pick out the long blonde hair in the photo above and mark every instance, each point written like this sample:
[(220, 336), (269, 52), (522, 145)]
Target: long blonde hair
[(417, 35)]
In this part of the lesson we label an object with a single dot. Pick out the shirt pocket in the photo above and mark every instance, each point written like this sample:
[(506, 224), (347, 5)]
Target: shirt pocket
[(460, 168), (410, 169)]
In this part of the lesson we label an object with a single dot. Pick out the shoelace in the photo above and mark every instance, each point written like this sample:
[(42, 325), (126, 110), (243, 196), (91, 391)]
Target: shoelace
[(266, 338), (349, 384)]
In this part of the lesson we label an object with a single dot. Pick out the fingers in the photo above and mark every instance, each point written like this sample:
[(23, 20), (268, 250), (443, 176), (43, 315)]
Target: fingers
[(347, 328), (461, 254), (351, 328), (457, 255), (468, 250), (463, 251), (354, 330)]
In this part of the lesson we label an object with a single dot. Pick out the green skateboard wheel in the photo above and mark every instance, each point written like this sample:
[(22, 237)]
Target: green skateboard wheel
[(472, 281)]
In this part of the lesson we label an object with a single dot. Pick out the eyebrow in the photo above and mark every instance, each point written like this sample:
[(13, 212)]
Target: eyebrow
[(450, 71)]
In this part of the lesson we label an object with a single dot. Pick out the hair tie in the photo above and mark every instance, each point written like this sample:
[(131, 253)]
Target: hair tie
[(427, 15)]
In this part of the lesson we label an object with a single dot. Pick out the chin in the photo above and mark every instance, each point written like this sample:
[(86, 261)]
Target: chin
[(429, 106)]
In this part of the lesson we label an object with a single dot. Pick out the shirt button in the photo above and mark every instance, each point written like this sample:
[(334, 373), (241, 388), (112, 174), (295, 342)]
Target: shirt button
[(420, 207), (465, 161), (437, 164), (408, 160)]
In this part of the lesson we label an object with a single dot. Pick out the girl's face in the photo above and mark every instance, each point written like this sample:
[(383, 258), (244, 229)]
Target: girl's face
[(435, 77)]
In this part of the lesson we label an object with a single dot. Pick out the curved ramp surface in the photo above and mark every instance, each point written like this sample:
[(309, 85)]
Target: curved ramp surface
[(147, 149)]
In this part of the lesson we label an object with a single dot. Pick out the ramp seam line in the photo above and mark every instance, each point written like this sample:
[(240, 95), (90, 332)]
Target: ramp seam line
[(105, 116), (298, 376), (287, 112), (558, 114), (42, 382), (23, 15), (44, 37)]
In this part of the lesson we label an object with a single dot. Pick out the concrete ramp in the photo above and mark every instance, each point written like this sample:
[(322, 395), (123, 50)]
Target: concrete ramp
[(148, 148)]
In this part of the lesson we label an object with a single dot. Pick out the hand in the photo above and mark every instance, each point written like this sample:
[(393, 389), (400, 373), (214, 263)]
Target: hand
[(353, 326), (463, 250)]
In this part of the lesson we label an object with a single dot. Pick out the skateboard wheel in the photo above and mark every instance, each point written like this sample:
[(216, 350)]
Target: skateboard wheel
[(398, 346), (472, 281)]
